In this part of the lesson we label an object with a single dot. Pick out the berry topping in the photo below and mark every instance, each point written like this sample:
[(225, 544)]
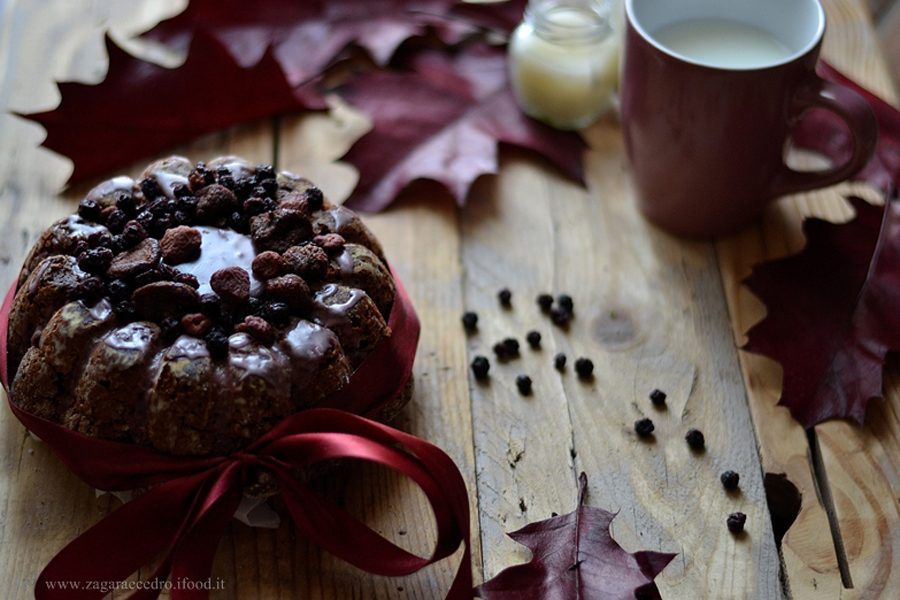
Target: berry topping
[(141, 258), (232, 284), (89, 210), (267, 265), (309, 261), (257, 327), (505, 298), (180, 245), (290, 289), (96, 260), (534, 339), (470, 321), (217, 342), (314, 198), (196, 324), (658, 398)]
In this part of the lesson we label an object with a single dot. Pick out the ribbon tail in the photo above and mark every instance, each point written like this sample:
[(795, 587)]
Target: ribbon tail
[(124, 541), (193, 558)]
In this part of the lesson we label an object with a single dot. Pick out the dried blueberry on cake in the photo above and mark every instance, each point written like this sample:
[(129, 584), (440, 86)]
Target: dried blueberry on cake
[(195, 307)]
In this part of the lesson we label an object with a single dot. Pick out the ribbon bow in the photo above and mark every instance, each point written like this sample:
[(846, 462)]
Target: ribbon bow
[(190, 500)]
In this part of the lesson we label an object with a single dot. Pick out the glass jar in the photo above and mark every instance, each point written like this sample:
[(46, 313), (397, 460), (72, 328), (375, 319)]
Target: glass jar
[(563, 61)]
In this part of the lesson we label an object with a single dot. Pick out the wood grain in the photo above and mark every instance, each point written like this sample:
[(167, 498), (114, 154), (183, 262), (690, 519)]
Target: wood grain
[(858, 467), (652, 311)]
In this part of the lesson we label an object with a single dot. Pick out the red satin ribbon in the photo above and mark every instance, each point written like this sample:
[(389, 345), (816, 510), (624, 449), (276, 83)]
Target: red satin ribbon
[(183, 515)]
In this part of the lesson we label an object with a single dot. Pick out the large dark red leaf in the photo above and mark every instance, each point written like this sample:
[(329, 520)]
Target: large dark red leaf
[(826, 133), (574, 556), (307, 36), (833, 313), (141, 108), (442, 120)]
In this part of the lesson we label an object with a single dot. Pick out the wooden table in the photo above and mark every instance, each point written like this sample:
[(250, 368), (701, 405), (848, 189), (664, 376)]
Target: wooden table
[(652, 311)]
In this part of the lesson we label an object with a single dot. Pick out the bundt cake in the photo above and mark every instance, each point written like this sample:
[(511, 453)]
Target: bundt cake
[(193, 309)]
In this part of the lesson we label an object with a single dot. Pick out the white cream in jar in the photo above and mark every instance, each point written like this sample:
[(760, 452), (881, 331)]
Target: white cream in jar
[(563, 61)]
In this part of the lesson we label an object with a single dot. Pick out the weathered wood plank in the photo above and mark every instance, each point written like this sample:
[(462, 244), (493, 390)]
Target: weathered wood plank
[(650, 313), (860, 464)]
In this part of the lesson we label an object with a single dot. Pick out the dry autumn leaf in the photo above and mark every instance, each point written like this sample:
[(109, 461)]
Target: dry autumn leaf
[(442, 119), (574, 556), (832, 313), (141, 108)]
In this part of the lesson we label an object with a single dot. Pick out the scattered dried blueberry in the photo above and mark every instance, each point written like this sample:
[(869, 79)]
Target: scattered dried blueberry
[(644, 427), (560, 317), (695, 439), (505, 298), (179, 190), (150, 188), (500, 351), (559, 362), (658, 398), (470, 321), (133, 234), (265, 171), (125, 203), (545, 301), (89, 210), (566, 303), (511, 345), (523, 382), (736, 522), (584, 367), (116, 221), (730, 480), (480, 367), (534, 339)]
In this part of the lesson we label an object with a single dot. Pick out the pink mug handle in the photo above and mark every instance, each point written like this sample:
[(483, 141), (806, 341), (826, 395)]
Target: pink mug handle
[(856, 113)]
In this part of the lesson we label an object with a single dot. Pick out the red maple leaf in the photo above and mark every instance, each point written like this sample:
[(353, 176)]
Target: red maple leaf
[(307, 36), (141, 108), (574, 556), (833, 313), (825, 132), (442, 120)]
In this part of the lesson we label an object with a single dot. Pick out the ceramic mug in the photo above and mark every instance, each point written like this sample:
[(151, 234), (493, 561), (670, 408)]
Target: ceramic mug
[(706, 130)]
